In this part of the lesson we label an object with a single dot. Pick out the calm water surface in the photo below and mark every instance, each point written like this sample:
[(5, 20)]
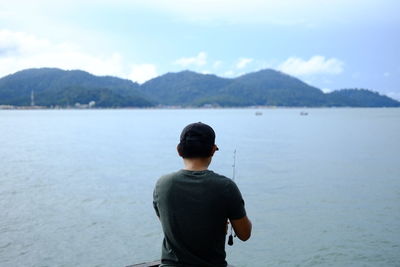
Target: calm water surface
[(321, 190)]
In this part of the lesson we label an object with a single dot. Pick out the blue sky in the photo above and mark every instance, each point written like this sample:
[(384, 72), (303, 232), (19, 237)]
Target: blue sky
[(330, 44)]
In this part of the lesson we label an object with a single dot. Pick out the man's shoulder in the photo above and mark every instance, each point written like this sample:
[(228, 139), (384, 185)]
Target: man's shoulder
[(220, 178), (168, 177), (226, 185), (212, 177)]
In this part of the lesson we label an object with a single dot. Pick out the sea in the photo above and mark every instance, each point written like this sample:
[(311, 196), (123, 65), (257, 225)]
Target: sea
[(321, 189)]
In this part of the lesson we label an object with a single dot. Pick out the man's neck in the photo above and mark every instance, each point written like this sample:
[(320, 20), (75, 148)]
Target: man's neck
[(196, 164)]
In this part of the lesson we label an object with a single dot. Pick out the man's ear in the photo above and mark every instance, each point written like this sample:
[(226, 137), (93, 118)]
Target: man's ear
[(214, 148), (179, 150)]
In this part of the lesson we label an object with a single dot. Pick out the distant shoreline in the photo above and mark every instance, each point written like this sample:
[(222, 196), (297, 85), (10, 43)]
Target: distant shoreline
[(6, 107), (47, 88)]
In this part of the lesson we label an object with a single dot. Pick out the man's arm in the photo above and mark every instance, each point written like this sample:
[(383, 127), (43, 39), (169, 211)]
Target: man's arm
[(155, 199), (242, 228), (237, 213)]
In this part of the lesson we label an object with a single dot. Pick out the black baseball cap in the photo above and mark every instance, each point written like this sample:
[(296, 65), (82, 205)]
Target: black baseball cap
[(196, 140)]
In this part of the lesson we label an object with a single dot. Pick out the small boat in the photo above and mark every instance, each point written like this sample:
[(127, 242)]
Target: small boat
[(146, 264), (303, 113), (258, 113), (153, 264)]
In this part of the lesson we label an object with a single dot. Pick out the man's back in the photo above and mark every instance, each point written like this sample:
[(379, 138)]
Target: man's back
[(193, 207)]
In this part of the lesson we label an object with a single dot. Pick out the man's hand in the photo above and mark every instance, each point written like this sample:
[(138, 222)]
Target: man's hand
[(242, 228)]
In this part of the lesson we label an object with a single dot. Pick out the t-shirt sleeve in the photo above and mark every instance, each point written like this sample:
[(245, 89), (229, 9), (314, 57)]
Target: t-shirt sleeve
[(155, 201), (235, 202)]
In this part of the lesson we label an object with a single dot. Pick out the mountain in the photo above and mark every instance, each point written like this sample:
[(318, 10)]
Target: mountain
[(360, 98), (262, 88), (273, 88), (265, 87), (183, 88), (63, 88), (56, 87)]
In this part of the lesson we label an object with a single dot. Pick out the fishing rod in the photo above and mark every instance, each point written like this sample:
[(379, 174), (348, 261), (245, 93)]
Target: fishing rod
[(230, 238)]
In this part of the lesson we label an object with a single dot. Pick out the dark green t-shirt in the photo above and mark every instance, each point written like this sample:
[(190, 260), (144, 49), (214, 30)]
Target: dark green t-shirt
[(193, 207)]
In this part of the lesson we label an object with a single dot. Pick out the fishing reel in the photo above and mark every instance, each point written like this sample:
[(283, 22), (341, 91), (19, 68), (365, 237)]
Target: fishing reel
[(230, 238)]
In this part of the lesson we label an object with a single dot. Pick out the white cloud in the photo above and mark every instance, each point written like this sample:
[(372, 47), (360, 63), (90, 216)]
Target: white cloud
[(315, 65), (243, 62), (282, 12), (19, 50), (199, 60), (143, 72), (305, 13), (386, 74), (326, 90)]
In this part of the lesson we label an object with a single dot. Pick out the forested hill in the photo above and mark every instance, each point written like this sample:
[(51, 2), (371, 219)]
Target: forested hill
[(360, 98), (262, 88), (56, 87), (184, 88)]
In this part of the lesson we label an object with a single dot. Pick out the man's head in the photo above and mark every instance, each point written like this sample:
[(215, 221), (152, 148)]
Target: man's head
[(197, 140)]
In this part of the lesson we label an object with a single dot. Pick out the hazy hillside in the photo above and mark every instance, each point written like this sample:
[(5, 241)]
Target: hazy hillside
[(270, 87), (183, 88), (266, 87), (59, 87), (360, 98), (55, 87)]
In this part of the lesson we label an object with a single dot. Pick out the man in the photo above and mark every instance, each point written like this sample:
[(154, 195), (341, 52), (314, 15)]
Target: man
[(195, 204)]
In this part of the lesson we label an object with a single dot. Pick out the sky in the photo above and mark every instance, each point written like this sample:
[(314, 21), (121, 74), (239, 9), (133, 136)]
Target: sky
[(330, 44)]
